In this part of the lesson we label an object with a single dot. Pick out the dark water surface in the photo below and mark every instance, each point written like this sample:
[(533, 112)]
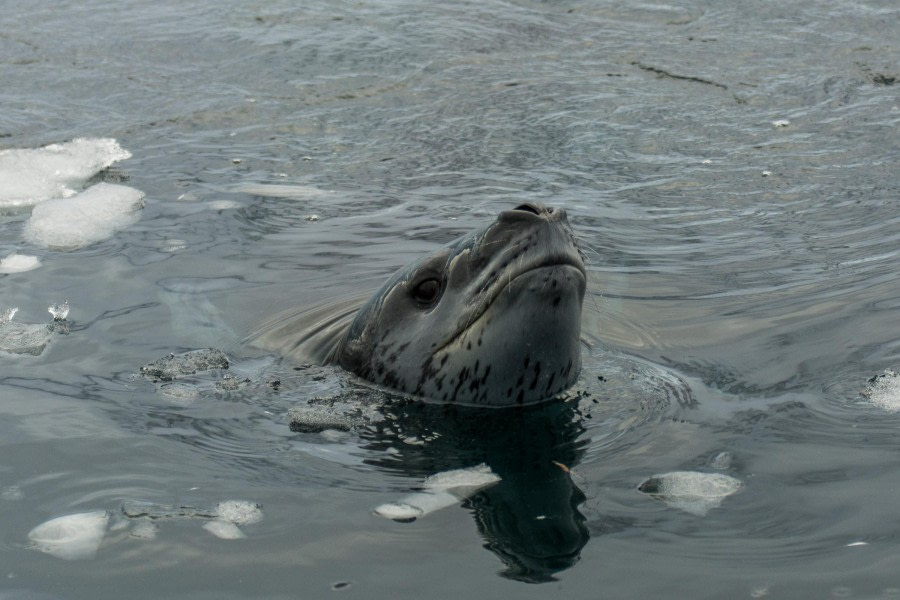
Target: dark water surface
[(732, 170)]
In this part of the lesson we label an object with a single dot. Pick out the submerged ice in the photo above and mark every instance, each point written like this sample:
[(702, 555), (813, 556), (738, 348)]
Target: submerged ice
[(71, 537)]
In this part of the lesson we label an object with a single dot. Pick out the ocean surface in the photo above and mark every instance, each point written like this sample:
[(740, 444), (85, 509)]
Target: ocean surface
[(732, 170)]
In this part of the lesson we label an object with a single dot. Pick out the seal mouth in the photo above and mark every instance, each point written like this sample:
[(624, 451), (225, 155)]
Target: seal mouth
[(495, 288)]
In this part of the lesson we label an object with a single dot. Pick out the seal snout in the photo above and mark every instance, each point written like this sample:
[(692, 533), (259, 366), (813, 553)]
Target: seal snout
[(533, 210)]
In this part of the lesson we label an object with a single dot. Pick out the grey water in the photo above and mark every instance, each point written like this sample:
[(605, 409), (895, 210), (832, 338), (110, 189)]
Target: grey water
[(730, 167)]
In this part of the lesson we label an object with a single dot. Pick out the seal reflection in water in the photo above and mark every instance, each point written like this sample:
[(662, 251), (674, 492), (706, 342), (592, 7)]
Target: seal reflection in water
[(492, 319)]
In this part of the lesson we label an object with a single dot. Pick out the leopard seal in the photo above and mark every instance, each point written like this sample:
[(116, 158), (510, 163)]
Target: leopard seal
[(491, 319)]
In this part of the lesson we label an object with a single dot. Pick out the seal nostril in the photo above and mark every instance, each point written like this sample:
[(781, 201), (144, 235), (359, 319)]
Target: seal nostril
[(528, 208)]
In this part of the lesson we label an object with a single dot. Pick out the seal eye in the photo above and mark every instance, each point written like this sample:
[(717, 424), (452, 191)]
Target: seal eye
[(427, 292)]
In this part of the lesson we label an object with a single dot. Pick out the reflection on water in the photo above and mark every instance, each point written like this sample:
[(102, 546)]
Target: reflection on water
[(530, 518)]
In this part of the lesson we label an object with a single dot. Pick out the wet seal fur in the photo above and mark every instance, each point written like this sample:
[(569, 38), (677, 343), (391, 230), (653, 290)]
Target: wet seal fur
[(492, 319)]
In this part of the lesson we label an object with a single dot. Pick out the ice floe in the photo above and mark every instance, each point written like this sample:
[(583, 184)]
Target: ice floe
[(85, 218), (18, 263), (22, 338), (883, 391), (439, 491), (691, 491), (71, 537), (32, 175)]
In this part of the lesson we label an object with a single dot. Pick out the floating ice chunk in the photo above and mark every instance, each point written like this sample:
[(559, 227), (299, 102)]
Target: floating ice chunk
[(440, 491), (71, 537), (19, 263), (222, 204), (93, 215), (398, 511), (145, 530), (23, 338), (32, 175), (224, 530), (781, 123), (59, 312), (177, 365), (882, 391), (691, 491), (475, 477), (7, 314), (239, 512)]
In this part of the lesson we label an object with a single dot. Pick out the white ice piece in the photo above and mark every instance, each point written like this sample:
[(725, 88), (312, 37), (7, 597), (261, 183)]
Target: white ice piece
[(31, 175), (93, 215), (883, 391), (239, 512), (19, 263), (224, 530), (71, 537), (59, 311), (691, 491), (439, 491)]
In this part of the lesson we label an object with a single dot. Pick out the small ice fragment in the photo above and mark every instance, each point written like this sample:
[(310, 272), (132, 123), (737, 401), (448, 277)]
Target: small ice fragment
[(398, 511), (440, 491), (476, 477), (145, 530), (19, 263), (89, 217), (706, 161), (23, 338), (236, 161), (173, 245), (857, 544), (59, 312), (71, 537), (312, 218), (224, 530), (177, 365), (7, 314), (781, 123), (222, 204), (31, 175), (766, 173), (239, 512), (882, 391), (721, 461), (691, 491)]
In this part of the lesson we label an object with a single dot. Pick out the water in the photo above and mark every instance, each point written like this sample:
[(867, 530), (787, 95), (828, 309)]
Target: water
[(743, 271)]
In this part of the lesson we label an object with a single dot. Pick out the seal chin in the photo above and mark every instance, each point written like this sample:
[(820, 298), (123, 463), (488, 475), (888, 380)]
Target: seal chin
[(522, 349)]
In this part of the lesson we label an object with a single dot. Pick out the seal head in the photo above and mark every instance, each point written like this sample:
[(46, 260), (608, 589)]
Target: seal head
[(493, 318)]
